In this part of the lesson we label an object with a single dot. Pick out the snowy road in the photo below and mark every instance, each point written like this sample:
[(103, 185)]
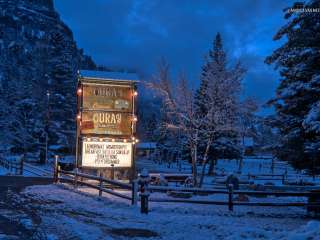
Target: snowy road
[(66, 214), (18, 219)]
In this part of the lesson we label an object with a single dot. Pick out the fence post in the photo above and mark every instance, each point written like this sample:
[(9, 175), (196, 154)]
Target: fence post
[(75, 178), (144, 193), (230, 193), (134, 197), (58, 173), (112, 171), (100, 184), (283, 179), (55, 173), (21, 165)]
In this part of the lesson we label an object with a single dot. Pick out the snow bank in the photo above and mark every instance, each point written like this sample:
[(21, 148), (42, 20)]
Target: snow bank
[(83, 215)]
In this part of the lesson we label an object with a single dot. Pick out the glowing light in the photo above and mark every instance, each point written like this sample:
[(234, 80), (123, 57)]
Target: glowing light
[(89, 139), (125, 140), (100, 139), (79, 116), (135, 119), (135, 93), (79, 91), (113, 140), (133, 138), (137, 140)]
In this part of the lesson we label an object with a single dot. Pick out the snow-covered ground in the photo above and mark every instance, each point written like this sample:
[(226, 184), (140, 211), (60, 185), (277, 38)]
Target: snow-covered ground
[(251, 165), (69, 214), (3, 171)]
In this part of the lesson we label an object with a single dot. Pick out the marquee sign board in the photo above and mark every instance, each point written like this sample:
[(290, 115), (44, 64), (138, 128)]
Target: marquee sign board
[(106, 111), (103, 154), (107, 97), (110, 123)]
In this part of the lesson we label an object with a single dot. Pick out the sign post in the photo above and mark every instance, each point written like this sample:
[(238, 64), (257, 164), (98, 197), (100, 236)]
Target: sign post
[(106, 122)]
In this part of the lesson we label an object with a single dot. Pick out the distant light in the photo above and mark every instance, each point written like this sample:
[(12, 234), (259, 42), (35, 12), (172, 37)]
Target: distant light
[(125, 140), (137, 140), (135, 119), (79, 116), (135, 93), (133, 138), (79, 91), (113, 140), (89, 139), (48, 93), (101, 139)]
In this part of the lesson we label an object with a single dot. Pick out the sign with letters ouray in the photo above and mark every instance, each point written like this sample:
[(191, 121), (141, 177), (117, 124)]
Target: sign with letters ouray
[(106, 120), (116, 98), (107, 109), (111, 123)]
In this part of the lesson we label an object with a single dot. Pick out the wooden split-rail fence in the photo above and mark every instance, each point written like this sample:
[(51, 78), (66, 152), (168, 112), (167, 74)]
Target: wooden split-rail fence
[(141, 191)]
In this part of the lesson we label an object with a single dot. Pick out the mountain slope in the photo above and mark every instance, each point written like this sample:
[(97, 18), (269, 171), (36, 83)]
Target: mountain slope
[(39, 60)]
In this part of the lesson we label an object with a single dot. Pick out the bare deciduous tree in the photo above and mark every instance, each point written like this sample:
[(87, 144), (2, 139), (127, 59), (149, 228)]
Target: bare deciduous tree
[(179, 100)]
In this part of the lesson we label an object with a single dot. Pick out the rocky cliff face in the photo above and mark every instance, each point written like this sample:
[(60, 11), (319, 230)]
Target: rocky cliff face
[(39, 60)]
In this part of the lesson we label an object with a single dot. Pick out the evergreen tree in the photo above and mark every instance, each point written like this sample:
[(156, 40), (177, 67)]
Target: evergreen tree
[(298, 95), (214, 89), (37, 56)]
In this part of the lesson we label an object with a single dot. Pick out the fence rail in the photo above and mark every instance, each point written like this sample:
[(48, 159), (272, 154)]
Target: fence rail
[(36, 170), (12, 165), (143, 193), (73, 176)]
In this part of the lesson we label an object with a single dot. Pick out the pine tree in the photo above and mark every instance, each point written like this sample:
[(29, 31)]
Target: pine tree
[(214, 89), (215, 61), (298, 95), (37, 55)]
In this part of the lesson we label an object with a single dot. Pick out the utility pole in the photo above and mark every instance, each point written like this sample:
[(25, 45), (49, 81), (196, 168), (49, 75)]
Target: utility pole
[(47, 125)]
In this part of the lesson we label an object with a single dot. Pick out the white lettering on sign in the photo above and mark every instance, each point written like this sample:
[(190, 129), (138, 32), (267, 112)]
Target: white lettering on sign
[(108, 92), (103, 154), (108, 118)]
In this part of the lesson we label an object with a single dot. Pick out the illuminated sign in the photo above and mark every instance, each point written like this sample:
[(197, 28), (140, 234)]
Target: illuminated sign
[(109, 123), (107, 97), (104, 154)]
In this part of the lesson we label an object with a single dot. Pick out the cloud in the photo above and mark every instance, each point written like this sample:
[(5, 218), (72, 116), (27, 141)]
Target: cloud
[(137, 33)]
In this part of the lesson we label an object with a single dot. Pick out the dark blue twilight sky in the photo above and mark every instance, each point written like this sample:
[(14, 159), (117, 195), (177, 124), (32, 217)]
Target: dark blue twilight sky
[(136, 33)]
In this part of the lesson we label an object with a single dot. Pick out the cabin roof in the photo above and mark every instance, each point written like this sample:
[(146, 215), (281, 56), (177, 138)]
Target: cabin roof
[(108, 76)]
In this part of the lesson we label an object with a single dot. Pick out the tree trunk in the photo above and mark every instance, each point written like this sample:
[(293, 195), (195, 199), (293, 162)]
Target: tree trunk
[(204, 163), (211, 166), (194, 157), (272, 165), (240, 165)]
